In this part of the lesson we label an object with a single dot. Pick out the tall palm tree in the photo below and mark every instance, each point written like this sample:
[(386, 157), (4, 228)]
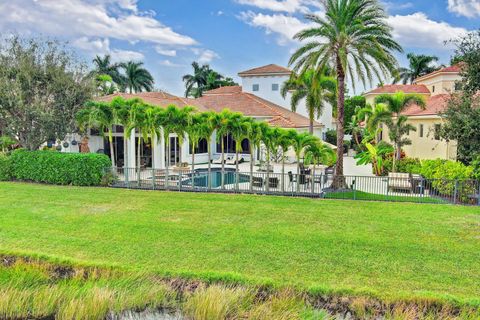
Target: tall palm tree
[(104, 66), (197, 130), (136, 77), (271, 138), (122, 109), (181, 121), (316, 88), (254, 136), (285, 142), (137, 123), (238, 126), (318, 153), (167, 121), (210, 126), (419, 65), (354, 38), (396, 104), (195, 83), (220, 122), (299, 142), (101, 116)]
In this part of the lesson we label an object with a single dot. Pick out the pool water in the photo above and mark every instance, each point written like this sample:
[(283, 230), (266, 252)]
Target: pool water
[(201, 178)]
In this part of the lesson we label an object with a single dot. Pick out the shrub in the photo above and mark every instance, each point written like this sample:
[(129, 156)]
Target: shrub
[(331, 137), (5, 168), (476, 168), (407, 165), (79, 169)]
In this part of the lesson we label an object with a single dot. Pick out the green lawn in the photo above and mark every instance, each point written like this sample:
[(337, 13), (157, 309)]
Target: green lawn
[(392, 250), (360, 195)]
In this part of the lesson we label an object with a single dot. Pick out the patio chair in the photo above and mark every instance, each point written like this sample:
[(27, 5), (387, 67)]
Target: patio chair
[(291, 178), (400, 181), (273, 182), (257, 182), (231, 161)]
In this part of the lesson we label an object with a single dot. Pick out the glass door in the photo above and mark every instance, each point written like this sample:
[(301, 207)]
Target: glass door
[(174, 151)]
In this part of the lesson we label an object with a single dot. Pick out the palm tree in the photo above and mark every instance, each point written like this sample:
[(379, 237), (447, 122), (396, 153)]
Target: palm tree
[(284, 142), (210, 126), (196, 82), (254, 136), (419, 65), (167, 121), (396, 104), (136, 78), (181, 121), (238, 126), (315, 87), (220, 122), (101, 116), (137, 122), (104, 66), (198, 130), (352, 37), (271, 139), (299, 142), (319, 153)]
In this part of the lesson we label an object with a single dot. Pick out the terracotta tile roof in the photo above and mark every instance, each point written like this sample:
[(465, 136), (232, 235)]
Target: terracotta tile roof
[(224, 90), (407, 88), (161, 99), (435, 105), (266, 70), (253, 106), (452, 69)]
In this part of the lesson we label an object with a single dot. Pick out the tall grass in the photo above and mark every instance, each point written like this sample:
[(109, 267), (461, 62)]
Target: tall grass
[(36, 289)]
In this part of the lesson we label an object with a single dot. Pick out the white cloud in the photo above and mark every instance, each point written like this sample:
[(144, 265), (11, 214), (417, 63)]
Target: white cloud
[(417, 30), (205, 55), (289, 6), (102, 46), (467, 8), (166, 52), (283, 25), (93, 18), (170, 64)]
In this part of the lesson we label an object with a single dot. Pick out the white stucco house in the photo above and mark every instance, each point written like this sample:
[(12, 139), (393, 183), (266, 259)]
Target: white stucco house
[(258, 97)]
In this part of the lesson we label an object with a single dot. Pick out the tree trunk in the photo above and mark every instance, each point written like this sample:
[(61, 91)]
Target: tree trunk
[(310, 128), (251, 165), (209, 178), (339, 179), (223, 165), (167, 166), (283, 172), (298, 172), (267, 183), (112, 152), (237, 176), (139, 165)]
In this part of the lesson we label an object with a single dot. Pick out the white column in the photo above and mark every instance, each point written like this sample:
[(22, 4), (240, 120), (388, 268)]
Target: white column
[(131, 150), (185, 151), (158, 153)]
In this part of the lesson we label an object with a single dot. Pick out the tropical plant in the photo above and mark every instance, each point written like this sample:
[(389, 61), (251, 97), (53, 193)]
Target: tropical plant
[(238, 126), (271, 138), (101, 116), (220, 122), (352, 37), (374, 154), (316, 87), (137, 123), (6, 143), (203, 79), (300, 141), (105, 85), (254, 136), (136, 78), (397, 123), (318, 153), (104, 66), (419, 65), (284, 142), (198, 130)]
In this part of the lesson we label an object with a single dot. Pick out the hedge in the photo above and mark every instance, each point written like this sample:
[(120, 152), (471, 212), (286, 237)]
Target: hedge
[(5, 168), (79, 169)]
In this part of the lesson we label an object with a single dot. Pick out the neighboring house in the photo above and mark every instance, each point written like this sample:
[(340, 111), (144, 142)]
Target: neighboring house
[(436, 87), (266, 82), (154, 154)]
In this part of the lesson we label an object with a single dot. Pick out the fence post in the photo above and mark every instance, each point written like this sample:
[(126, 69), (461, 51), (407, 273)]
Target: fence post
[(354, 185), (455, 193)]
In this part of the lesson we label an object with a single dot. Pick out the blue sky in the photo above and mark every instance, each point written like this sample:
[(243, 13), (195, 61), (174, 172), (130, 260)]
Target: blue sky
[(230, 35)]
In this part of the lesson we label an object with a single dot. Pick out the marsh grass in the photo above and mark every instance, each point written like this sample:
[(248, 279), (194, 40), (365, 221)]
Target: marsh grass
[(35, 289)]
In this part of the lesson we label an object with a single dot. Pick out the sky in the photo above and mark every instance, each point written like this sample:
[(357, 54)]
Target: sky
[(230, 35)]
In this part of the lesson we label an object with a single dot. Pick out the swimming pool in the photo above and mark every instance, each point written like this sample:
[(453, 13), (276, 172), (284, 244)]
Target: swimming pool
[(201, 177)]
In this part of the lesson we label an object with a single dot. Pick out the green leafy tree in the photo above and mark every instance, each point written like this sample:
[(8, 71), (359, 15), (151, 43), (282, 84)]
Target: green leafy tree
[(203, 79), (254, 136), (238, 126), (468, 53), (300, 141), (136, 78), (351, 106), (284, 142), (354, 38), (104, 66), (105, 85), (318, 153), (375, 155), (137, 124), (198, 130), (419, 65), (462, 124), (6, 143), (317, 88), (43, 86)]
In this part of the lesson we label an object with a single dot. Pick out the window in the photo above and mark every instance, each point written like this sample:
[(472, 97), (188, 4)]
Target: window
[(256, 87), (229, 145), (202, 147), (437, 129), (420, 131), (275, 87)]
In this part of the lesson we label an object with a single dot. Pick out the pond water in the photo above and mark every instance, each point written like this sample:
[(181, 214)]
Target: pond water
[(201, 177), (147, 315)]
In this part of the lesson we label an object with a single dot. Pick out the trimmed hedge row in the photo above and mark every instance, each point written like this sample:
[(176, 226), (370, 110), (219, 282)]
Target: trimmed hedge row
[(79, 169)]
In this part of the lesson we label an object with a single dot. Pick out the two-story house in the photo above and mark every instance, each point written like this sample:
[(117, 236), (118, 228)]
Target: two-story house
[(436, 87)]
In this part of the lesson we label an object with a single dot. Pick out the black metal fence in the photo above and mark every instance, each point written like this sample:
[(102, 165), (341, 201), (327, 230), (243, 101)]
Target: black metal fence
[(397, 189)]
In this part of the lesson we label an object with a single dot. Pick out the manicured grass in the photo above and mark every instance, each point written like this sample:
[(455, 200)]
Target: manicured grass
[(391, 250), (360, 195)]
